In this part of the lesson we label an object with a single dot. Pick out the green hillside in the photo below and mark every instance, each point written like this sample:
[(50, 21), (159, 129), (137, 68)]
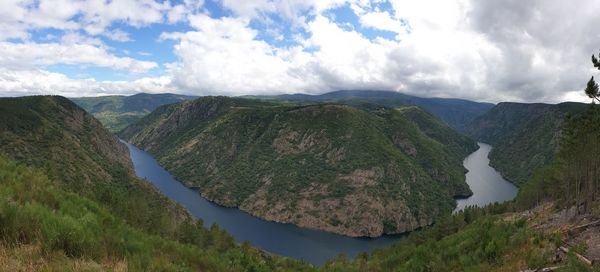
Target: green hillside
[(457, 113), (69, 200), (525, 137), (117, 112), (358, 172)]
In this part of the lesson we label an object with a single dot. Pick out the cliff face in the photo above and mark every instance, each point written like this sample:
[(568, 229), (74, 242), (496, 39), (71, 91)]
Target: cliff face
[(524, 136), (326, 166)]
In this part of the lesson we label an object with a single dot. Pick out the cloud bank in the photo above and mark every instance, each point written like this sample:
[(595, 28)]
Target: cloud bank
[(534, 51)]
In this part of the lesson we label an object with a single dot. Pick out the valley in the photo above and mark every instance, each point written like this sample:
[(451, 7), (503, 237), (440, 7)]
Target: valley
[(525, 136), (259, 135), (300, 136), (316, 247), (117, 112), (70, 200), (353, 171)]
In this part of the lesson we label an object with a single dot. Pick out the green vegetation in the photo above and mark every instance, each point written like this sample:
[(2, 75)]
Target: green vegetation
[(117, 112), (473, 240), (83, 208), (69, 200), (572, 178), (525, 137), (377, 170), (65, 231), (457, 113)]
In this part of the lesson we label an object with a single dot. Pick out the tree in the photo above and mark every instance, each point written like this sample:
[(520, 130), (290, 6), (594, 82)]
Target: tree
[(595, 62), (592, 90)]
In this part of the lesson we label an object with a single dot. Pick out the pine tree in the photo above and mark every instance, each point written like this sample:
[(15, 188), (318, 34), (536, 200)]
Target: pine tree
[(592, 90)]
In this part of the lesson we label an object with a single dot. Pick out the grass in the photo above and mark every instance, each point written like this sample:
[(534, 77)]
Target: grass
[(45, 227)]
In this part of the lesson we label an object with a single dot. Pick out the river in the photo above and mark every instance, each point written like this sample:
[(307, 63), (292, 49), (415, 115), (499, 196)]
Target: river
[(487, 184), (314, 246)]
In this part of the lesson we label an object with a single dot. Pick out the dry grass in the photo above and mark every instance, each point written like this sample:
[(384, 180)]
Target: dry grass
[(31, 258)]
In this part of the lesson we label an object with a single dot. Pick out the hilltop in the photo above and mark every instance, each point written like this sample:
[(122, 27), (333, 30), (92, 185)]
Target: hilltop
[(457, 113)]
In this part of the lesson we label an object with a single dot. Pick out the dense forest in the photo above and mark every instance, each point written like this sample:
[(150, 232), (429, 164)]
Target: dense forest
[(457, 113), (358, 171)]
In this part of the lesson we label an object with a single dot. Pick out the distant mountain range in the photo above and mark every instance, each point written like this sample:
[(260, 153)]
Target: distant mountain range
[(457, 113), (117, 112)]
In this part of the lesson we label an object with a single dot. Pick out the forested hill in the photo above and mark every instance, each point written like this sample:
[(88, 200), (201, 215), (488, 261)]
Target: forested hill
[(525, 137), (117, 112), (355, 171), (53, 133), (50, 222), (457, 113), (69, 200)]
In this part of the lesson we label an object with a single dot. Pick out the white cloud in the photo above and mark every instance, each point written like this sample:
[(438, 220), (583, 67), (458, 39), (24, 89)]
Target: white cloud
[(117, 35), (13, 56), (441, 52), (382, 20), (93, 16), (223, 56), (482, 50), (292, 10), (19, 82)]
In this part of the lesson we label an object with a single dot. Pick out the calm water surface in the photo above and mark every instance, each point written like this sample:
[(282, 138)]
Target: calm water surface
[(313, 246), (487, 184)]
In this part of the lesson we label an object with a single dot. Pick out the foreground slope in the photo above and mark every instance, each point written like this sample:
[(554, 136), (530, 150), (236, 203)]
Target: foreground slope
[(116, 112), (69, 200), (326, 166), (525, 137)]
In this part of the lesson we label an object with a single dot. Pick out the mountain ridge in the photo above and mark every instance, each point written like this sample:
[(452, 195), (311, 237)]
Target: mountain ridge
[(457, 113)]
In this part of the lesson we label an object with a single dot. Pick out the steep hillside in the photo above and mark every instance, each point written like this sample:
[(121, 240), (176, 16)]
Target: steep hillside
[(53, 133), (553, 224), (457, 113), (326, 166), (69, 200), (524, 136), (117, 112)]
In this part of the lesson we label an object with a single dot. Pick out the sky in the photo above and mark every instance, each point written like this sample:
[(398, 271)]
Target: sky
[(510, 50)]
